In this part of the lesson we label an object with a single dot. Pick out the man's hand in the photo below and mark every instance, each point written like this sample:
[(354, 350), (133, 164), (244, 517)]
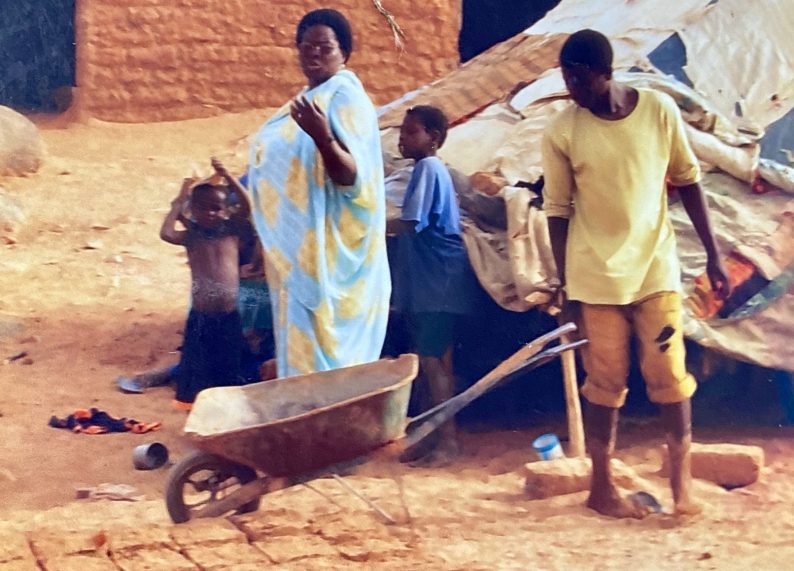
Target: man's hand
[(718, 276), (309, 117)]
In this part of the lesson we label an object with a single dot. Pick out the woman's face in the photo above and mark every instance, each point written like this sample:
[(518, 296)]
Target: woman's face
[(320, 54)]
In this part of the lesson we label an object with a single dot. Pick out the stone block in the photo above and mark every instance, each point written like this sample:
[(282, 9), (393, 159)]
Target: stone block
[(549, 478), (729, 465)]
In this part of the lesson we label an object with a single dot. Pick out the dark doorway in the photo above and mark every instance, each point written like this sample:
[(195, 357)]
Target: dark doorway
[(486, 23), (37, 51)]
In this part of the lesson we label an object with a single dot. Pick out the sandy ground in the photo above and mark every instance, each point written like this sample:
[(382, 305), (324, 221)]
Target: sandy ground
[(90, 292)]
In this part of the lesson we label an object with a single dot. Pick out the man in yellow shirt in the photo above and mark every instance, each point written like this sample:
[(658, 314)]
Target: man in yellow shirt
[(606, 162)]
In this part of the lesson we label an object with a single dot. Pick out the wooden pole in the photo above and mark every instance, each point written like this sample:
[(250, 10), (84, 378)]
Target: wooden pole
[(573, 407)]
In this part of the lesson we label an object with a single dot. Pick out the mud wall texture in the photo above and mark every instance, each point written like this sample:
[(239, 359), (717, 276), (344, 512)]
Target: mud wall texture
[(158, 60)]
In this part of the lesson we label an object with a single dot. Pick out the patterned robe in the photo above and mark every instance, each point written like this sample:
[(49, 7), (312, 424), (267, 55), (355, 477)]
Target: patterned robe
[(324, 243)]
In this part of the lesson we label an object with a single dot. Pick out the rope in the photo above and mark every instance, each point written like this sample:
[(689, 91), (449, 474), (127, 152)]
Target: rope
[(396, 30)]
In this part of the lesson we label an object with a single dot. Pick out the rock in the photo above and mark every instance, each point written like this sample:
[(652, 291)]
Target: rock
[(549, 478), (21, 148), (729, 465), (11, 216)]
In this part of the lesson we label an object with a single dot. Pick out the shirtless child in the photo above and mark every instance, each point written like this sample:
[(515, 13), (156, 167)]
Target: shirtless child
[(213, 340)]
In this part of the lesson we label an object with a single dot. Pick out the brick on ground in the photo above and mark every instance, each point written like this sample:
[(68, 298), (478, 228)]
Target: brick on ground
[(67, 550), (154, 559), (14, 548), (207, 532), (20, 565), (79, 563), (272, 523), (220, 557), (549, 478), (286, 548), (128, 540), (372, 550), (729, 465)]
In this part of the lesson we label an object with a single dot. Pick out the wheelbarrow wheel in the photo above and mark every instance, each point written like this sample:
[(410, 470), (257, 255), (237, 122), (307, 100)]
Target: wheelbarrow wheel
[(200, 479)]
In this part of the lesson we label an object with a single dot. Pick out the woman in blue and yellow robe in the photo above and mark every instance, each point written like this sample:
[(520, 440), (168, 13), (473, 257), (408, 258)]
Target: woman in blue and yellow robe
[(324, 242)]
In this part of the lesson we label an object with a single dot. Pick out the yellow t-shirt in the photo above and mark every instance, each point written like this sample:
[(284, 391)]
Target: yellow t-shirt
[(608, 178)]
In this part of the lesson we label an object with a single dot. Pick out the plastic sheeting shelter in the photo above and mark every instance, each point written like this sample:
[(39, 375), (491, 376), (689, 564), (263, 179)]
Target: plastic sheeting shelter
[(729, 66)]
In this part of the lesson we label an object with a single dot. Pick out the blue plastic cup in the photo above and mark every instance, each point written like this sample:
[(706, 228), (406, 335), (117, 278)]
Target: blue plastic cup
[(548, 447)]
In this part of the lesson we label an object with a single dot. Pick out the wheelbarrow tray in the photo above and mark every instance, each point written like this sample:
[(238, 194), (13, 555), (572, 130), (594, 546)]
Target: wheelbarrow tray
[(298, 425)]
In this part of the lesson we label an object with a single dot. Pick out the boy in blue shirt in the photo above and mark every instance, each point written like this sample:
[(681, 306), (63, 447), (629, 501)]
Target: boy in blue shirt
[(432, 278)]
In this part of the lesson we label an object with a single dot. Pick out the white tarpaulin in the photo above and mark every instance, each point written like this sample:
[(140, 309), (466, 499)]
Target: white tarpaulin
[(738, 57)]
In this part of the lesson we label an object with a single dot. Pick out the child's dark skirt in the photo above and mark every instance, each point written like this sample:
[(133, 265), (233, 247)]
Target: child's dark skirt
[(211, 353)]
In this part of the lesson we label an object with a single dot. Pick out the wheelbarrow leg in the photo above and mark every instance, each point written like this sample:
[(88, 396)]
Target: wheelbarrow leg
[(363, 498)]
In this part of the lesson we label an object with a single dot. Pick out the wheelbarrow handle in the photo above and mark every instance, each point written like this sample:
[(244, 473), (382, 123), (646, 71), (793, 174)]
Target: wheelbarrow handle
[(505, 368), (421, 426)]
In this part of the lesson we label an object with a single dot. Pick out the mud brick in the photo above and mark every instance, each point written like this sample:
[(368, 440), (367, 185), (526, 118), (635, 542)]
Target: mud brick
[(286, 548), (79, 563), (48, 544), (220, 557), (207, 532), (14, 547), (20, 565), (548, 478), (729, 465), (145, 537), (273, 523), (154, 560)]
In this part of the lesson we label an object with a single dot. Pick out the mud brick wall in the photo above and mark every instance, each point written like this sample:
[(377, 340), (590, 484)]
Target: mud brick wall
[(158, 60)]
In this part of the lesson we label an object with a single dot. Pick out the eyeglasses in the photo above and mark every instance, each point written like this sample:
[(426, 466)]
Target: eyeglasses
[(325, 49)]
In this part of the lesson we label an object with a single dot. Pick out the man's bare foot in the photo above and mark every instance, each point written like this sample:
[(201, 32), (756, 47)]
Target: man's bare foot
[(612, 504), (687, 507)]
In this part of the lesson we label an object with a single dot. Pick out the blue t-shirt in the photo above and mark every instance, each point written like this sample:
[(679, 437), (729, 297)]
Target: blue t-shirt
[(432, 272)]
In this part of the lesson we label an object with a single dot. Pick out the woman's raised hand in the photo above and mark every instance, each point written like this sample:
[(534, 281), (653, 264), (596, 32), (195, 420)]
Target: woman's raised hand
[(309, 117)]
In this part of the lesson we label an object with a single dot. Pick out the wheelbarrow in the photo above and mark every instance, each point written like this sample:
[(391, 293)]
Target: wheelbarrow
[(260, 438)]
